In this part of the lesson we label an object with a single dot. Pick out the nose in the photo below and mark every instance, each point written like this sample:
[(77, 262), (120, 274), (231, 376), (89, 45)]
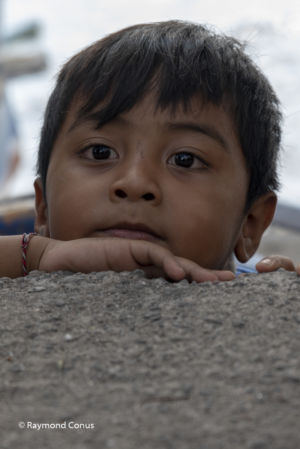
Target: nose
[(136, 184)]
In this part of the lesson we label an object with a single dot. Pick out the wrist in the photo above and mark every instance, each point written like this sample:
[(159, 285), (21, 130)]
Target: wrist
[(35, 251)]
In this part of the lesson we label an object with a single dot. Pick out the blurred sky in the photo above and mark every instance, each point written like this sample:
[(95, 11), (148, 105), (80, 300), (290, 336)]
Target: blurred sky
[(272, 29)]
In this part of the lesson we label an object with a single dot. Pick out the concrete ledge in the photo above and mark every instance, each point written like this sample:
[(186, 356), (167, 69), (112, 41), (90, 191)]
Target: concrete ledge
[(152, 365)]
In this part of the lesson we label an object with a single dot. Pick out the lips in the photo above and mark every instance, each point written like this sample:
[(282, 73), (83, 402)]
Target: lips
[(133, 231)]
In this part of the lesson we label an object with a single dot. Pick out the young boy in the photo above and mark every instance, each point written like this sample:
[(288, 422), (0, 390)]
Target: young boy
[(159, 152)]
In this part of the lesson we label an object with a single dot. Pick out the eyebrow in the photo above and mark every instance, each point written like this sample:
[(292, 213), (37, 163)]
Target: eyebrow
[(204, 129), (207, 130)]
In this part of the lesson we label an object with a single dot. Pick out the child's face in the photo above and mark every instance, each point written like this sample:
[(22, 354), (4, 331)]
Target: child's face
[(177, 179)]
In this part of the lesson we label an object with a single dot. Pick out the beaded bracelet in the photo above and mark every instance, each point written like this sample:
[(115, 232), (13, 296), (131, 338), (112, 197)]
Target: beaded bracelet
[(25, 242)]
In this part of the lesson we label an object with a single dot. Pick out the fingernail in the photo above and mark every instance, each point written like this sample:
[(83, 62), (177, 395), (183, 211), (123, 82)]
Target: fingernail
[(266, 261)]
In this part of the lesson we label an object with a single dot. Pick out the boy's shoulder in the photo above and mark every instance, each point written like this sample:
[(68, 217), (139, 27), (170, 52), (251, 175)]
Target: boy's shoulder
[(244, 269), (248, 267)]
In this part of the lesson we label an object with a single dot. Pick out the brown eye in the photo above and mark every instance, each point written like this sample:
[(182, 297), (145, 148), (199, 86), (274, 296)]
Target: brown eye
[(102, 152), (186, 160), (99, 152)]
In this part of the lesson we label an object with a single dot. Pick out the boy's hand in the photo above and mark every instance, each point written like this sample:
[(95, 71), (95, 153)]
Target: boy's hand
[(273, 263), (116, 254)]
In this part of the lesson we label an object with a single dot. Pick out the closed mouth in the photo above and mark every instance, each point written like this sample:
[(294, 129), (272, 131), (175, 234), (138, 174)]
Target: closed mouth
[(135, 231)]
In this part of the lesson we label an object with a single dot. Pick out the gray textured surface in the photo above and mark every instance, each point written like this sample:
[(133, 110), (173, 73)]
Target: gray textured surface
[(151, 364)]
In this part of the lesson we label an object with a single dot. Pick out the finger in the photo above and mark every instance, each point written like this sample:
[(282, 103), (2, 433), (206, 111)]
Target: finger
[(225, 275), (195, 272), (273, 263), (155, 259), (205, 275)]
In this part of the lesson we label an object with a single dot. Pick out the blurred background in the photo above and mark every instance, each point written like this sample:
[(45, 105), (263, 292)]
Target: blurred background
[(48, 32)]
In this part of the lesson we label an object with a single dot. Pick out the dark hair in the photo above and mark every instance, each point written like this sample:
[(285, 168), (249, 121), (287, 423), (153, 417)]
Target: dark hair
[(180, 60)]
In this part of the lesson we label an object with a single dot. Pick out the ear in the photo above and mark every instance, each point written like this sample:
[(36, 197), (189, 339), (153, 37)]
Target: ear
[(258, 218), (41, 217)]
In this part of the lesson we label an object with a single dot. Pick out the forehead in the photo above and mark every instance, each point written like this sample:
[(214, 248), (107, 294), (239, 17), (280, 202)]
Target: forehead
[(217, 119)]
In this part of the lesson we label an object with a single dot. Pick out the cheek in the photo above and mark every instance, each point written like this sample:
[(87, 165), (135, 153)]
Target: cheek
[(209, 242), (69, 206), (204, 227)]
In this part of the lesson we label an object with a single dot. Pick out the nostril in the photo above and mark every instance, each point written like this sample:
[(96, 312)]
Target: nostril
[(148, 196), (120, 193)]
